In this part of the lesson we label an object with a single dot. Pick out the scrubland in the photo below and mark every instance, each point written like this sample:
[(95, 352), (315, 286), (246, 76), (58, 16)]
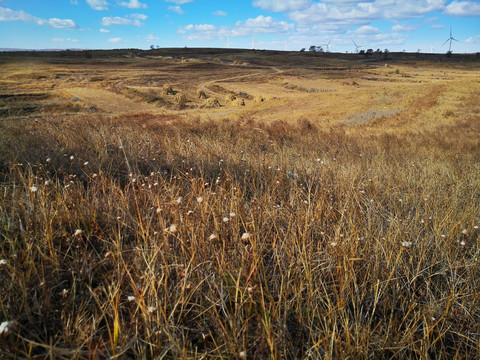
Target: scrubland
[(302, 226)]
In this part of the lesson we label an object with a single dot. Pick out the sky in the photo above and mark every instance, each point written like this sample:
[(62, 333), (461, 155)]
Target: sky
[(396, 25)]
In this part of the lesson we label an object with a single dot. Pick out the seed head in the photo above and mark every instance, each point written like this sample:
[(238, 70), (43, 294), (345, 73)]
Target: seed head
[(172, 228), (7, 326)]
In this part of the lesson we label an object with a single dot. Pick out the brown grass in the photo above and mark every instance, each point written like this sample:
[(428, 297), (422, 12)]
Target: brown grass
[(164, 236)]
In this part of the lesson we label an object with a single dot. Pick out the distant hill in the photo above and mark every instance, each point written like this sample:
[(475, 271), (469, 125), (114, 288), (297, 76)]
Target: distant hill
[(39, 50)]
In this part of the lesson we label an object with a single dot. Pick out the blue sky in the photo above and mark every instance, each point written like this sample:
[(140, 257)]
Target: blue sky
[(267, 24)]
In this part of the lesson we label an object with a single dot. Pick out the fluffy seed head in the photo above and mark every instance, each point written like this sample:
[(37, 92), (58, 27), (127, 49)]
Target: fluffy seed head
[(245, 236)]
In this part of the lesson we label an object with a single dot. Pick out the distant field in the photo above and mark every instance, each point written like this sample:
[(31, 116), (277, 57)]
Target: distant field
[(206, 203)]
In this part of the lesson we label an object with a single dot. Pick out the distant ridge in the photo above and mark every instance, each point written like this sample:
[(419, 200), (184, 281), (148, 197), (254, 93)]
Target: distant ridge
[(29, 50)]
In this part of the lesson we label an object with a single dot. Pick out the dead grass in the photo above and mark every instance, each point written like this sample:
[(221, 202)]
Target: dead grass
[(163, 236)]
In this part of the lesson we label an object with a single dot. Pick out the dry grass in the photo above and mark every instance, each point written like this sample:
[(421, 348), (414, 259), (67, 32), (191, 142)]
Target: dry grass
[(138, 237)]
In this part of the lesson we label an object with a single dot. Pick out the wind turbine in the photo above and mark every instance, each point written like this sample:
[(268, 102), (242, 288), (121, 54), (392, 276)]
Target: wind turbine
[(357, 46), (253, 42), (450, 39), (228, 42), (327, 45)]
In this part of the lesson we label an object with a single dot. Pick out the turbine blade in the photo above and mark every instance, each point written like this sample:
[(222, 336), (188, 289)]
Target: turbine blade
[(445, 42)]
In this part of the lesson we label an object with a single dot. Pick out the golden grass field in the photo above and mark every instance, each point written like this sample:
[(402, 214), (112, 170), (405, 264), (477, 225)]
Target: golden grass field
[(203, 204)]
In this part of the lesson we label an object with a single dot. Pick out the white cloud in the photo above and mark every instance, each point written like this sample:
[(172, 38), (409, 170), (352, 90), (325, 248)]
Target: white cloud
[(367, 30), (133, 19), (62, 40), (133, 4), (201, 27), (151, 37), (62, 23), (463, 8), (74, 2), (98, 4), (409, 8), (385, 39), (352, 13), (219, 13), (176, 9), (138, 16), (282, 5), (115, 40), (261, 25), (250, 27), (20, 15), (430, 20), (404, 27), (358, 14), (116, 20), (105, 31), (473, 40), (180, 2)]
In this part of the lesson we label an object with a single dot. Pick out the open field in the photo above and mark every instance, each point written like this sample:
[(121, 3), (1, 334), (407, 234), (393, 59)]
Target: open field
[(227, 204)]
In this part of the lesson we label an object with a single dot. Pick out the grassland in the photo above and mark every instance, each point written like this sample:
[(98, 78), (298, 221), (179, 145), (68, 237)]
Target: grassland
[(335, 214)]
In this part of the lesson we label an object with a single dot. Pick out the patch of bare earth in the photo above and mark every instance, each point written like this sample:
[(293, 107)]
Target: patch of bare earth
[(109, 102)]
